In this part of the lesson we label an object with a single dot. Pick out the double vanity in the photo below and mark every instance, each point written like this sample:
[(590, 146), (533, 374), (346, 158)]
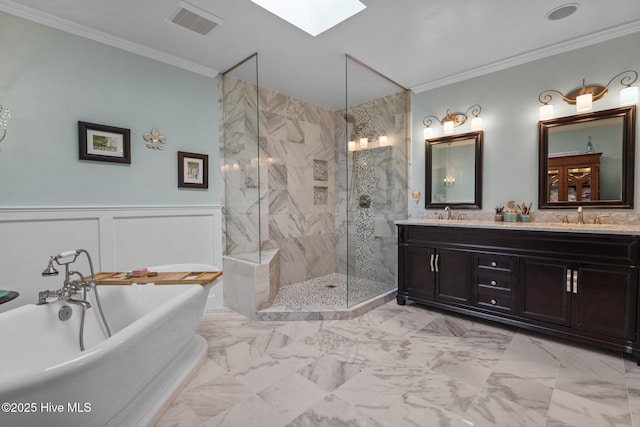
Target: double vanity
[(574, 281)]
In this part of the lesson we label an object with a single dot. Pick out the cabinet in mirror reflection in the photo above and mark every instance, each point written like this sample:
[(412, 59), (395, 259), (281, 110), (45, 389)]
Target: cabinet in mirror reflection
[(588, 159)]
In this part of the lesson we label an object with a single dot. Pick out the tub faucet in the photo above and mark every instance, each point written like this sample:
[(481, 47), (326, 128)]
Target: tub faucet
[(69, 287), (447, 209)]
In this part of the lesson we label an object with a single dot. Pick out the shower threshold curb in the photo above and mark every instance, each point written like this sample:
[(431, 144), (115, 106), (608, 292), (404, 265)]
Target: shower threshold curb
[(325, 312)]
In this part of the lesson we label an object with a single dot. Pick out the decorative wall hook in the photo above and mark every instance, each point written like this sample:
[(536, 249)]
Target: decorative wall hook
[(5, 115), (156, 140), (453, 120)]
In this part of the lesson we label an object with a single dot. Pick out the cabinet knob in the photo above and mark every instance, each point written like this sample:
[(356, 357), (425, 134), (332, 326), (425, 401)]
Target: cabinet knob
[(493, 263), (493, 283), (493, 301)]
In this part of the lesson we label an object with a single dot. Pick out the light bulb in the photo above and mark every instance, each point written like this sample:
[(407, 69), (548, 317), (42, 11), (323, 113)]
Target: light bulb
[(584, 103), (546, 112)]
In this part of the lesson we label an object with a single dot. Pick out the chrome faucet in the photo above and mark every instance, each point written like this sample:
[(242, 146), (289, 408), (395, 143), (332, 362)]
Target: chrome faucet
[(69, 287), (447, 209), (596, 220), (580, 215)]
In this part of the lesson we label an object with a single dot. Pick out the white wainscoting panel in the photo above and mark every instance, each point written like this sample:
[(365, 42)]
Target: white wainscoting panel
[(118, 239)]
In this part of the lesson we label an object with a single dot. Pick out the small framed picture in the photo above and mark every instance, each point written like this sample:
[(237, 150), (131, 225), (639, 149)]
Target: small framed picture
[(104, 143), (193, 170)]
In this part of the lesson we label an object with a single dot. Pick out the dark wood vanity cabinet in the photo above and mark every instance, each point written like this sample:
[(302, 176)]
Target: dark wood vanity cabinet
[(591, 298), (435, 274), (581, 286)]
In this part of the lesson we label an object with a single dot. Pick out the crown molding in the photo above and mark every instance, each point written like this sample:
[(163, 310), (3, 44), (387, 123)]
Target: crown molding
[(57, 23), (569, 45)]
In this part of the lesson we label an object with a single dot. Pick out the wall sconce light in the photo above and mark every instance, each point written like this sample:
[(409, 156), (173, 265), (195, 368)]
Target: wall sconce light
[(416, 196), (362, 136), (453, 120), (5, 115), (584, 96)]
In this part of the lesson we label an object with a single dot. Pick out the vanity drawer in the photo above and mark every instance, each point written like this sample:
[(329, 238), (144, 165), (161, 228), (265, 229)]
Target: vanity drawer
[(497, 262), (497, 300), (495, 279)]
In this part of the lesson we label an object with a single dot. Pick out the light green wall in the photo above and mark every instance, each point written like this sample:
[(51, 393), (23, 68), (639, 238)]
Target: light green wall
[(509, 100), (51, 80)]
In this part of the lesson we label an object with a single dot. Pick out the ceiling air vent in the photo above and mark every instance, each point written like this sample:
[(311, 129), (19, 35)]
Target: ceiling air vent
[(193, 18)]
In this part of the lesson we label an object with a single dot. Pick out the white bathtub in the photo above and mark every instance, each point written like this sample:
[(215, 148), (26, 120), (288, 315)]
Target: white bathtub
[(121, 381)]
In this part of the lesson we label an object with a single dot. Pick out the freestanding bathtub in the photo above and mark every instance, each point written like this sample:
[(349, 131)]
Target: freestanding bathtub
[(124, 380)]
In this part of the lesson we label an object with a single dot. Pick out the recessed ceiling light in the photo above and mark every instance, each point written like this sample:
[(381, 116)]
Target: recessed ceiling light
[(562, 12), (312, 16)]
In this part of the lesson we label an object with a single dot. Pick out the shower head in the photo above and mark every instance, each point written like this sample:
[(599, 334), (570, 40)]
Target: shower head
[(50, 270)]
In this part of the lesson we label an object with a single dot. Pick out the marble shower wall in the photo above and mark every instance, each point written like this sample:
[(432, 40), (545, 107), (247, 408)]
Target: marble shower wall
[(295, 175), (378, 172), (302, 177)]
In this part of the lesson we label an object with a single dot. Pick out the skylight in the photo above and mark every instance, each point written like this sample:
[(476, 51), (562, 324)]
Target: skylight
[(312, 16)]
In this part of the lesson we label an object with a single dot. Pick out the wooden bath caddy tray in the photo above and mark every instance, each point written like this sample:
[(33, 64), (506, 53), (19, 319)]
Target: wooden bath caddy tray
[(164, 278)]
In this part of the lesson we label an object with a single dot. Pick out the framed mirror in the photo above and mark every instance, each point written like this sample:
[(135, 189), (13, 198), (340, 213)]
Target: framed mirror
[(587, 160), (454, 171)]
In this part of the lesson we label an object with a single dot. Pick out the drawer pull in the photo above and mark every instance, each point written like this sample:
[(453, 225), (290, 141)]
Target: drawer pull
[(493, 301), (493, 283), (569, 276), (431, 263), (493, 263)]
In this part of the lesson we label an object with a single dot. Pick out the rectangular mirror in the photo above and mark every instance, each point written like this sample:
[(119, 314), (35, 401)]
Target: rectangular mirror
[(587, 160), (454, 171)]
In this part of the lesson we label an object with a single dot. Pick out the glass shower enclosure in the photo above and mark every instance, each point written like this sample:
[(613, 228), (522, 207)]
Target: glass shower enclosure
[(321, 187)]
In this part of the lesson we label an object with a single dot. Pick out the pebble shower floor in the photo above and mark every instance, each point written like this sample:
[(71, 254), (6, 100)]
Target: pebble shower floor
[(329, 291)]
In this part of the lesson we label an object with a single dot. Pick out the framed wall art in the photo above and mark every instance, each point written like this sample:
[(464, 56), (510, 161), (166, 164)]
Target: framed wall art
[(104, 143), (193, 170)]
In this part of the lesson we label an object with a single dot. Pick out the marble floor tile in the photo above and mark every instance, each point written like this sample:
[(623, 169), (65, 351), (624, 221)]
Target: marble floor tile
[(526, 393), (261, 373), (443, 391), (252, 411), (234, 357), (399, 366), (270, 342), (412, 411), (292, 396), (542, 372), (333, 412), (465, 366), (300, 329), (215, 396), (567, 409), (367, 390), (329, 373), (491, 411), (296, 356)]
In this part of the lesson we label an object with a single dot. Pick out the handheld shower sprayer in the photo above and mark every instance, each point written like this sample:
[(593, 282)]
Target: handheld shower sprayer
[(51, 270)]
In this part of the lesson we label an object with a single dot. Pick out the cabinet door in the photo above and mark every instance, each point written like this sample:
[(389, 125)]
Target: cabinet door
[(545, 291), (604, 300), (454, 276), (419, 280)]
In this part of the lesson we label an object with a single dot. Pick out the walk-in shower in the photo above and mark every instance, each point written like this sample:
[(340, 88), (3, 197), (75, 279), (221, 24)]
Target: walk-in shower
[(312, 190)]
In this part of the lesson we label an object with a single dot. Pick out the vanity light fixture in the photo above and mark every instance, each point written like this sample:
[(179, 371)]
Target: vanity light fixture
[(4, 119), (453, 120), (584, 96)]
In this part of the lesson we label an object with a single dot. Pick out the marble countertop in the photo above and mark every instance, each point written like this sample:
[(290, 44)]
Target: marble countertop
[(622, 229)]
